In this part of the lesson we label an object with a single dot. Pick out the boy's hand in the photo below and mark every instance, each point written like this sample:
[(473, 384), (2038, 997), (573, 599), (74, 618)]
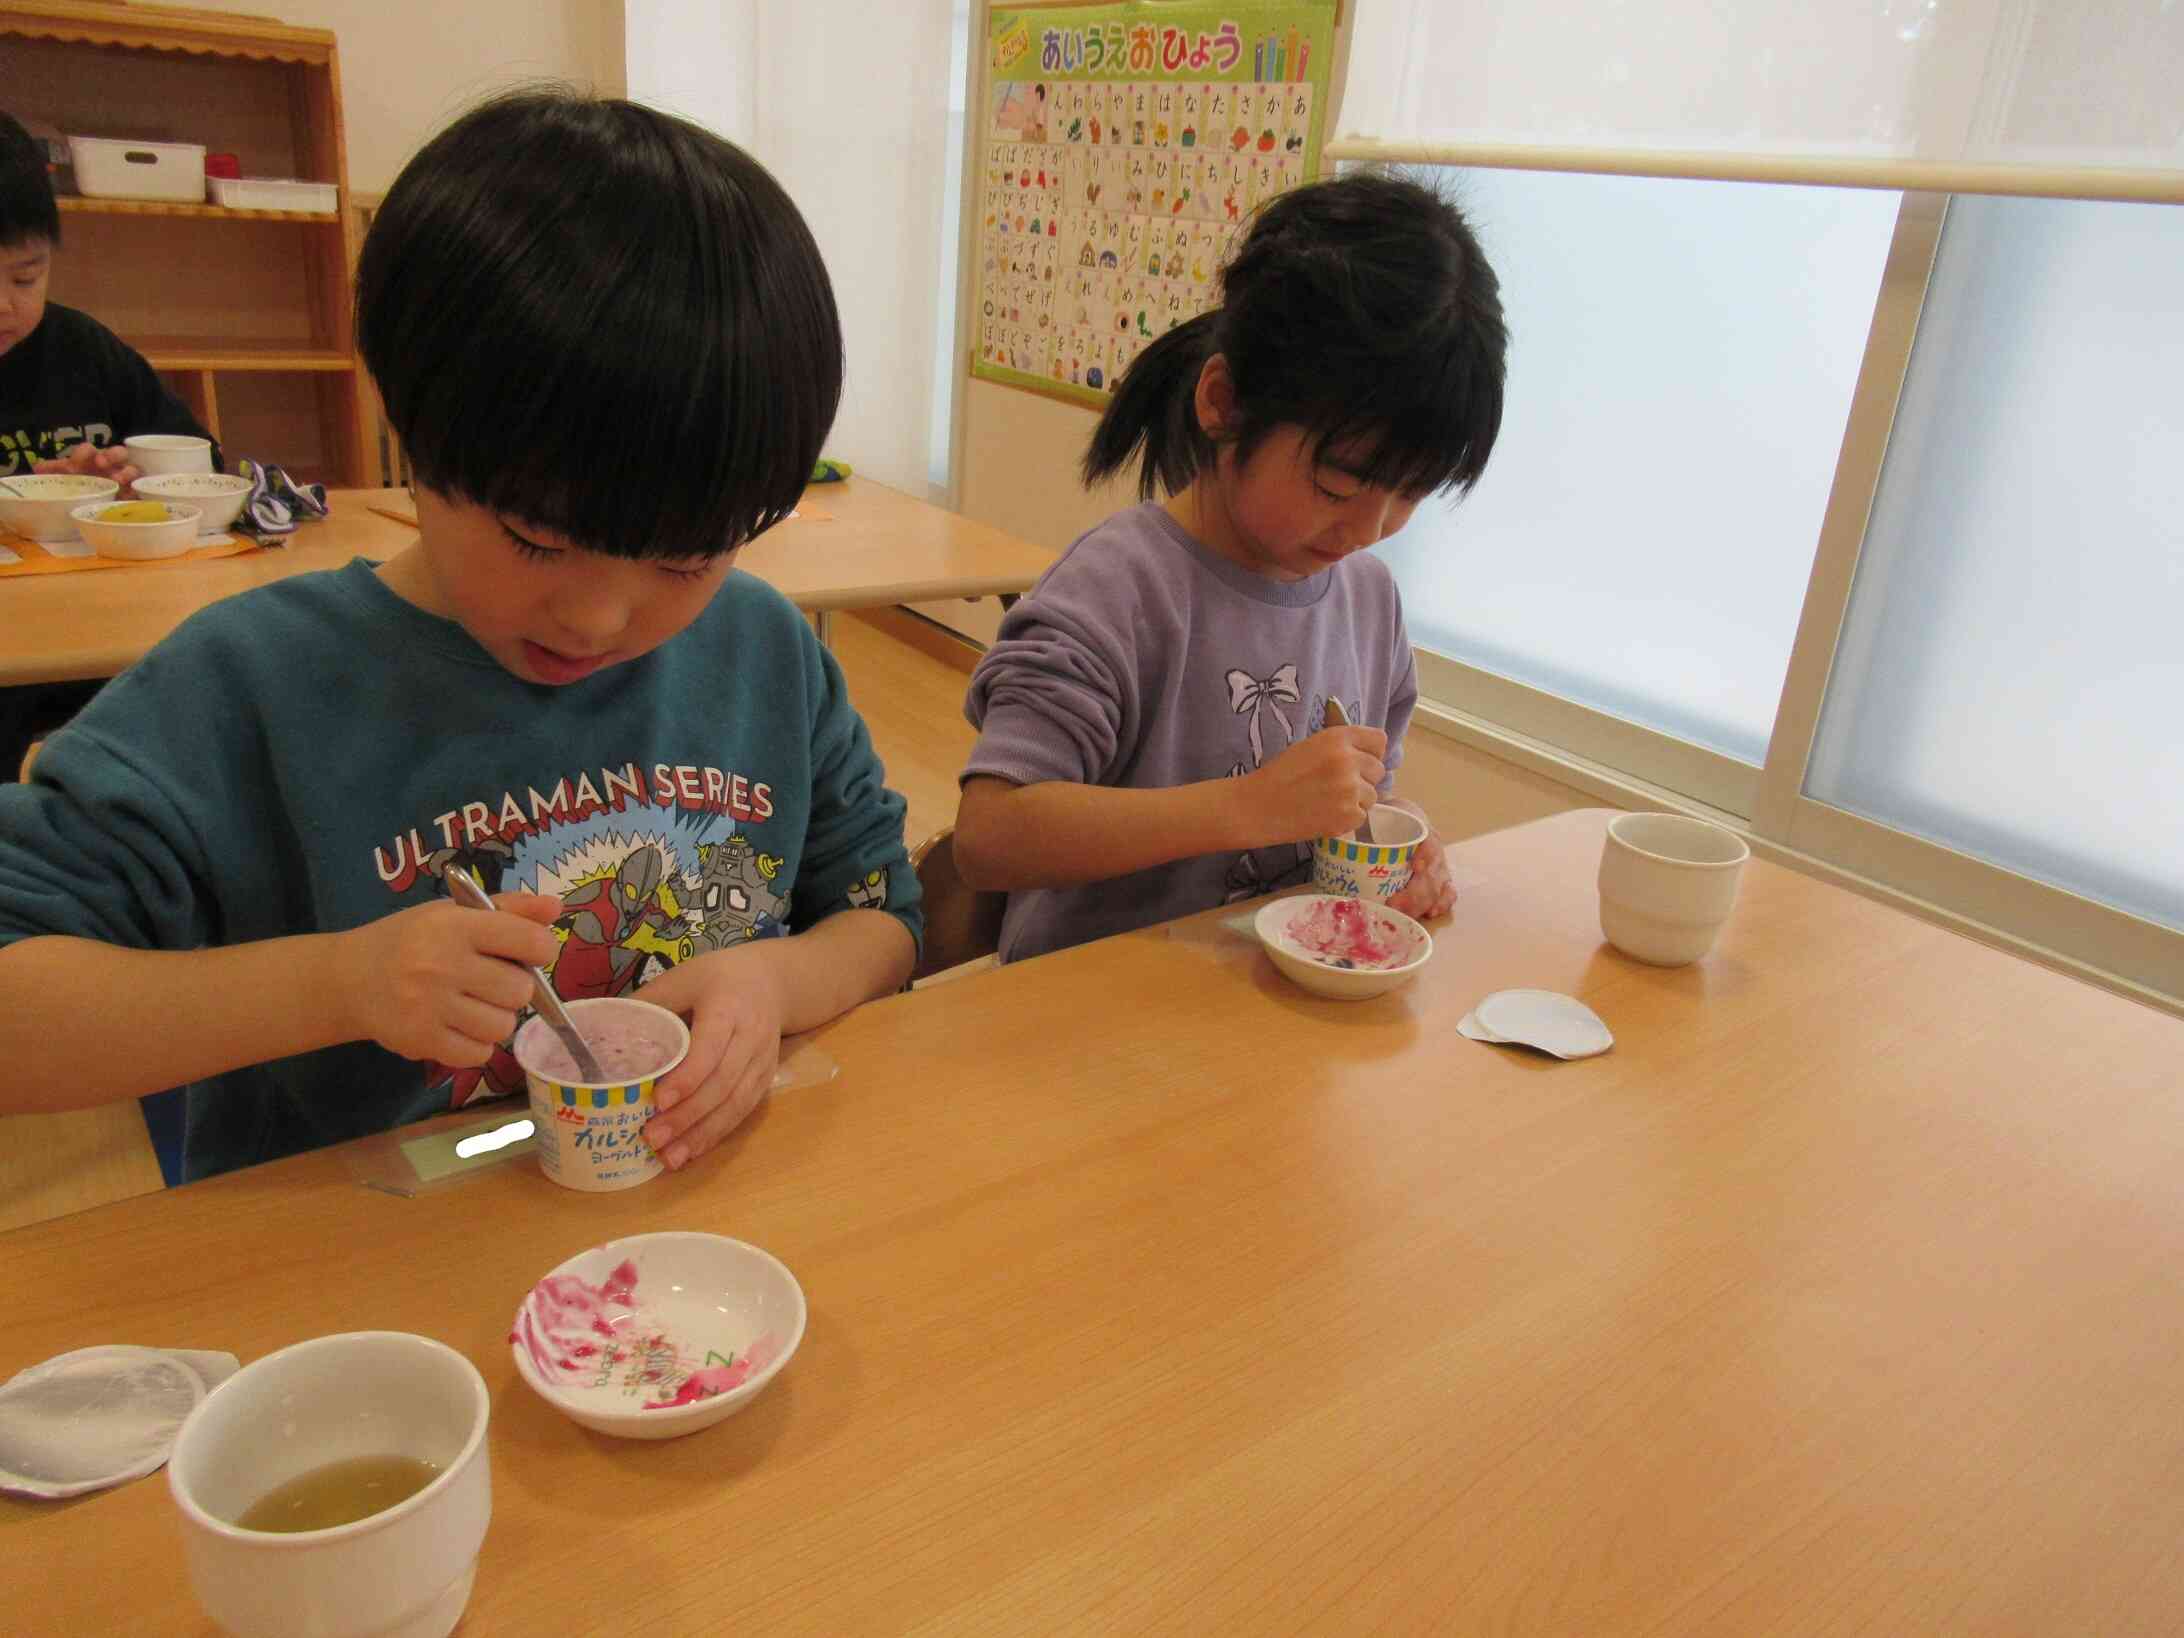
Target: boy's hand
[(442, 983), (89, 461), (1323, 785), (732, 1001), (1430, 891)]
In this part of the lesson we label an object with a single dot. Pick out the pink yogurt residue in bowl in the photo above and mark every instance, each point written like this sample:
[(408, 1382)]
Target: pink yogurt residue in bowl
[(1344, 933), (598, 1338)]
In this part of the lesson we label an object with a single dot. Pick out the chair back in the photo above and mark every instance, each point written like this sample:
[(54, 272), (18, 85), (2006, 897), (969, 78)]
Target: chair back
[(961, 923)]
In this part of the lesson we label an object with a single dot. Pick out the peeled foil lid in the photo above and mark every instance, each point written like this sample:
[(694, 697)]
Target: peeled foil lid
[(99, 1416), (1560, 1025)]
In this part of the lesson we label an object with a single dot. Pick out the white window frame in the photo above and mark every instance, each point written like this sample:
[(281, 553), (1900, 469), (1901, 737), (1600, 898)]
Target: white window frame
[(1634, 765)]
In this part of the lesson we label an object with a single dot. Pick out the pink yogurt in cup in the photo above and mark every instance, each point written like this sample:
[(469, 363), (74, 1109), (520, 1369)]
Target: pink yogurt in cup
[(591, 1133), (630, 1046)]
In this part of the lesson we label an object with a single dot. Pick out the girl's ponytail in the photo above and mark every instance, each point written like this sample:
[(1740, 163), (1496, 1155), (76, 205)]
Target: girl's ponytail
[(1360, 311), (1155, 404)]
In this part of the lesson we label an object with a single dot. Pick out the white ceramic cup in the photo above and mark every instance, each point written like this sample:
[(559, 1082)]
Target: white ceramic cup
[(1667, 884), (152, 452), (405, 1572)]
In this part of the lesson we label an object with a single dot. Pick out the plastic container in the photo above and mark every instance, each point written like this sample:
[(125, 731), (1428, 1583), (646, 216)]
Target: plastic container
[(112, 168), (268, 193)]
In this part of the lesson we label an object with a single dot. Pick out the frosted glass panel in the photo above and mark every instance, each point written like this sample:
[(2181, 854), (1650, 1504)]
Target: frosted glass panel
[(2084, 81), (1681, 361), (2010, 679)]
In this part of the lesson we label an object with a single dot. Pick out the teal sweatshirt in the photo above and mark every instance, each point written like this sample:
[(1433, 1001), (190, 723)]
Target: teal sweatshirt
[(313, 755)]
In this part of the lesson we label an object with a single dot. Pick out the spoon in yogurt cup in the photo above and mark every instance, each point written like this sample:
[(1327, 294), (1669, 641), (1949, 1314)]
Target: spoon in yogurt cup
[(466, 889)]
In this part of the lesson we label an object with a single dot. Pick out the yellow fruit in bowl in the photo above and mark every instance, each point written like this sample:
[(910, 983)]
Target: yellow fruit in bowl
[(136, 512)]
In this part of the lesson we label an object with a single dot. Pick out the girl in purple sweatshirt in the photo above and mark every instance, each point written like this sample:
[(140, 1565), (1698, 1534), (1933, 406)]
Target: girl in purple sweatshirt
[(1150, 717)]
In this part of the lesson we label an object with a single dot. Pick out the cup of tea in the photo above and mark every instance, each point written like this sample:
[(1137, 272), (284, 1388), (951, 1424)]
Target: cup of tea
[(591, 1134), (1667, 883), (338, 1487)]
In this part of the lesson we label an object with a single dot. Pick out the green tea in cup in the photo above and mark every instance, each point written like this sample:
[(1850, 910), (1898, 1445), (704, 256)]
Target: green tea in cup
[(339, 1493)]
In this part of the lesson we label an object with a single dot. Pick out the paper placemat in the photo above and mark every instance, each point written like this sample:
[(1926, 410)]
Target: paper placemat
[(20, 555)]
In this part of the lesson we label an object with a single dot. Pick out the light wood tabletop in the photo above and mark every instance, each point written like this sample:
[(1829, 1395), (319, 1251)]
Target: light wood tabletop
[(856, 544), (1149, 1294)]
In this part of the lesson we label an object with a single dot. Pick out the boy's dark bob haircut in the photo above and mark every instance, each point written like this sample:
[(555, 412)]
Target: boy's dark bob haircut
[(602, 322), (27, 211), (1360, 310)]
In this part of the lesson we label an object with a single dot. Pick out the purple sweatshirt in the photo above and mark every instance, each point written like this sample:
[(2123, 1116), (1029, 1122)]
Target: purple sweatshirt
[(1142, 659)]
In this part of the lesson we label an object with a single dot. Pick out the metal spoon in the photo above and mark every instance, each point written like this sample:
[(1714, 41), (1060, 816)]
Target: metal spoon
[(466, 889), (1334, 716)]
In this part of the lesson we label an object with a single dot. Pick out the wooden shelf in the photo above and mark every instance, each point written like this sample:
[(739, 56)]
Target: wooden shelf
[(168, 207), (188, 353), (252, 328), (167, 29)]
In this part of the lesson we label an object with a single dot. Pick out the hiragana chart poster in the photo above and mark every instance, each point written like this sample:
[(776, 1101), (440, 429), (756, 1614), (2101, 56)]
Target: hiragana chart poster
[(1121, 151)]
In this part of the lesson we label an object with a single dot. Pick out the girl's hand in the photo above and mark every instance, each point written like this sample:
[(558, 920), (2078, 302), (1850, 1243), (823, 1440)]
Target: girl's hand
[(732, 1002), (1430, 892), (1323, 785), (89, 461), (442, 983)]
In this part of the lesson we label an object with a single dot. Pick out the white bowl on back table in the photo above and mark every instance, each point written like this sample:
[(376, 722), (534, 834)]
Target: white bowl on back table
[(138, 542), (38, 505), (218, 496)]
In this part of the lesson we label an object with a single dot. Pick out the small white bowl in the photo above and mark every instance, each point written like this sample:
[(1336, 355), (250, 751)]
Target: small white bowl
[(678, 1308), (151, 452), (138, 541), (1324, 977), (218, 496), (42, 501)]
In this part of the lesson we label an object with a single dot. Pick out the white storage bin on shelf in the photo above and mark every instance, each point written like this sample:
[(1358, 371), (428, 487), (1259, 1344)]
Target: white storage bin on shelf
[(114, 168), (266, 193)]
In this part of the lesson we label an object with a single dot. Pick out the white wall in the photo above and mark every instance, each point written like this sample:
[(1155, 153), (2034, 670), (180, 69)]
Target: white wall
[(848, 105), (410, 66), (697, 58)]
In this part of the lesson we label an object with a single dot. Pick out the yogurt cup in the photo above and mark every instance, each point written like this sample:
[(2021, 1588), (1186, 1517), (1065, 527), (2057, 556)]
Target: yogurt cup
[(1374, 865), (591, 1133)]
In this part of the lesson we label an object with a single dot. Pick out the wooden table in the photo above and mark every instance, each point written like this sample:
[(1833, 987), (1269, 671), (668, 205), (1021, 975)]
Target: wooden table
[(857, 544), (1152, 1295)]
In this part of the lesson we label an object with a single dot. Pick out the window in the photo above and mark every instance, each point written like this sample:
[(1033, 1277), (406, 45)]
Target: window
[(2010, 676), (1682, 358)]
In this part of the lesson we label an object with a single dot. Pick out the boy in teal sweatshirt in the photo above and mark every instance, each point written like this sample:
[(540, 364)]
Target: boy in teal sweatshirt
[(608, 344)]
